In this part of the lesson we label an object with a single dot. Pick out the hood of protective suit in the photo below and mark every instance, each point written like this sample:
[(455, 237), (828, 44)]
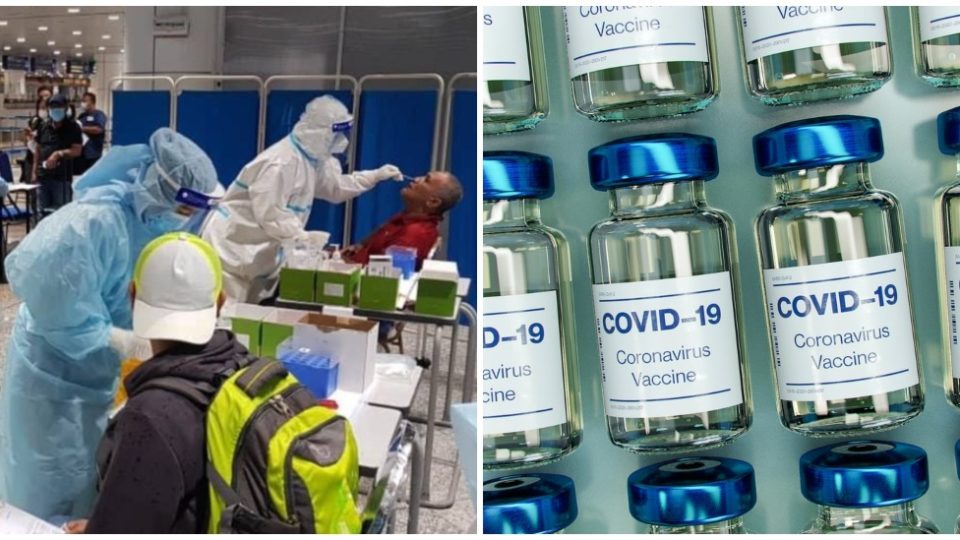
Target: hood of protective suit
[(314, 131), (177, 163)]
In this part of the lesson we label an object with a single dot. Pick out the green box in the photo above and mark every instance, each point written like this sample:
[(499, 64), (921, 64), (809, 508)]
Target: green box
[(246, 322), (276, 328), (298, 285), (337, 288), (436, 297), (379, 293)]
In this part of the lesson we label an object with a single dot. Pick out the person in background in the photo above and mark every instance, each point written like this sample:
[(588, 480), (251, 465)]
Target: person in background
[(425, 201), (152, 459), (59, 141), (40, 114), (269, 203), (71, 274), (93, 123)]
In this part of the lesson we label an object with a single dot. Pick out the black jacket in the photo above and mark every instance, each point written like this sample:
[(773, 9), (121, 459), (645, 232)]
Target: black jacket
[(152, 458)]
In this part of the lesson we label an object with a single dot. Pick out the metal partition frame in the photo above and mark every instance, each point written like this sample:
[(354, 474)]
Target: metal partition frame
[(310, 78), (178, 86), (112, 84), (437, 125), (447, 114)]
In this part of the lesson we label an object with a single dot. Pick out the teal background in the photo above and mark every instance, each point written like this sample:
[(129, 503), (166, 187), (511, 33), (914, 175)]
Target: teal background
[(913, 169)]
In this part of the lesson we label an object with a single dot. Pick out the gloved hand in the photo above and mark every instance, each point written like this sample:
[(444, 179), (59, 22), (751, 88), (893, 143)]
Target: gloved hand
[(313, 238), (387, 172), (128, 345)]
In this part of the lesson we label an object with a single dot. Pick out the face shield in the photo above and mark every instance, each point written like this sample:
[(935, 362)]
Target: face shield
[(341, 136), (191, 207)]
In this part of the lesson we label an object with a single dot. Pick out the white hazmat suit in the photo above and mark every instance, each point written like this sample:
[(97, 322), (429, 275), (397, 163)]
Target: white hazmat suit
[(269, 203)]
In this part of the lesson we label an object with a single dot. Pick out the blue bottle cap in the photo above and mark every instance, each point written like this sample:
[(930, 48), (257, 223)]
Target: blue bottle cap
[(528, 504), (817, 142), (948, 131), (516, 175), (692, 491), (652, 159), (861, 474)]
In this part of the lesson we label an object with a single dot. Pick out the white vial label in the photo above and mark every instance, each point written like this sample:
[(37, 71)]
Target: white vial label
[(841, 330), (668, 346), (775, 29), (951, 259), (505, 56), (937, 22), (603, 37), (522, 366)]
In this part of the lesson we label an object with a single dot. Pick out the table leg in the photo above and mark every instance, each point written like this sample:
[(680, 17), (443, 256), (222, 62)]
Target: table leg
[(416, 486), (470, 367), (432, 408), (448, 395)]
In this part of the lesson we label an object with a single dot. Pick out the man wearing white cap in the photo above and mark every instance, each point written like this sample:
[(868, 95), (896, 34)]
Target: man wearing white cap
[(152, 460)]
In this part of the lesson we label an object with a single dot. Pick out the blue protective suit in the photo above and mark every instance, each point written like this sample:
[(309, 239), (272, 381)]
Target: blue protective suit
[(72, 274)]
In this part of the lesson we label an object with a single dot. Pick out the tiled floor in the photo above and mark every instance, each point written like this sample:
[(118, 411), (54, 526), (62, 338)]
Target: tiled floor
[(460, 518)]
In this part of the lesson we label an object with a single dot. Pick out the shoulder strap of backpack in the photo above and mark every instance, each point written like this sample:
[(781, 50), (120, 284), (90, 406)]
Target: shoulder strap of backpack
[(259, 374)]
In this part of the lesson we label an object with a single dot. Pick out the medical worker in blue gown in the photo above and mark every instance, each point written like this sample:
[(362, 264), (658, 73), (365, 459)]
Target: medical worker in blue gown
[(72, 275)]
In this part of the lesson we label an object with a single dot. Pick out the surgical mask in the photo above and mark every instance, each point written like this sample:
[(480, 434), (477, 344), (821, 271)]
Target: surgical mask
[(166, 221), (83, 107), (339, 144), (58, 115)]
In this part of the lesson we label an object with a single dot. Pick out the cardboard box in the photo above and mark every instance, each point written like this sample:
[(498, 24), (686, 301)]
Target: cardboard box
[(337, 288), (379, 293), (350, 341), (298, 285), (276, 328), (437, 289), (246, 321)]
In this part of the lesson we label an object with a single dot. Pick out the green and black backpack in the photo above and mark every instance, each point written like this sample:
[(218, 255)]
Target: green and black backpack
[(277, 461)]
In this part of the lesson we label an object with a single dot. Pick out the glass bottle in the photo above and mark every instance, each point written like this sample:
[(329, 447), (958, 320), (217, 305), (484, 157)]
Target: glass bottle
[(835, 281), (666, 300), (866, 487), (514, 69), (799, 54), (632, 62), (936, 44), (693, 495), (531, 394), (948, 218), (529, 504)]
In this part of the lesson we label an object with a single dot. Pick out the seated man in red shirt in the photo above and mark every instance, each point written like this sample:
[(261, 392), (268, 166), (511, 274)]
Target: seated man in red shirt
[(425, 201)]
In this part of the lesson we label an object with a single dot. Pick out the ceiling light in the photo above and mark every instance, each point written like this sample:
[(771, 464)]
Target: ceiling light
[(33, 50), (73, 10), (77, 33), (51, 43), (78, 46), (122, 51), (101, 48), (42, 28), (21, 40), (105, 36), (3, 23), (79, 55), (6, 47), (114, 17), (56, 53)]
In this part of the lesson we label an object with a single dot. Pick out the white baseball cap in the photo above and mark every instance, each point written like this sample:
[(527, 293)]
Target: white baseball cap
[(178, 280)]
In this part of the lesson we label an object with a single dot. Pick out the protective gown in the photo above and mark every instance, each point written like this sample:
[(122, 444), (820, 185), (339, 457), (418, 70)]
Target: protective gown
[(72, 274), (270, 201)]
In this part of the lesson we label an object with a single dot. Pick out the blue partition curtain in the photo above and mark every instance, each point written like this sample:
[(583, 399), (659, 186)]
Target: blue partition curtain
[(224, 123), (283, 110), (137, 114), (395, 126), (462, 247)]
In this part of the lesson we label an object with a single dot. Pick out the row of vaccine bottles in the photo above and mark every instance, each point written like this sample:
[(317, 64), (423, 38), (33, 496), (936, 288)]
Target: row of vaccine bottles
[(666, 300), (858, 487), (631, 62)]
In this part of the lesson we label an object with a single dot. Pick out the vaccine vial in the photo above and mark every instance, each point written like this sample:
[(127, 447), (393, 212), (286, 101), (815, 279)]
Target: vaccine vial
[(531, 396), (664, 269), (693, 495), (948, 210), (866, 487), (835, 280), (799, 54), (529, 504), (632, 62), (514, 69), (936, 44)]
